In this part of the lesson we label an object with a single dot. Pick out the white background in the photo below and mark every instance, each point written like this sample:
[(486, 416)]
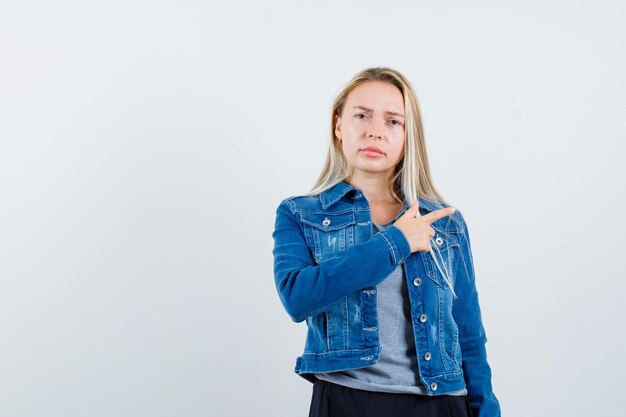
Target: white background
[(145, 145)]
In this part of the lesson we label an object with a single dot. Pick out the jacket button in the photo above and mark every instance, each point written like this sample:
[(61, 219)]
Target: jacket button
[(326, 222), (433, 386), (417, 282), (438, 240), (423, 318), (427, 356)]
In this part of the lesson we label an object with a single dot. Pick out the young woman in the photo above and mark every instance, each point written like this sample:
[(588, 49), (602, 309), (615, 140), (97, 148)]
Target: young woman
[(380, 267)]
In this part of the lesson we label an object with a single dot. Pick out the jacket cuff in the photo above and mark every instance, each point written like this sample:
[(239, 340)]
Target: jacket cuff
[(399, 245)]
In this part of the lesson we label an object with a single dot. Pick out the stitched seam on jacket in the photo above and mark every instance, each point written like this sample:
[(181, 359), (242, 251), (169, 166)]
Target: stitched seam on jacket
[(391, 245)]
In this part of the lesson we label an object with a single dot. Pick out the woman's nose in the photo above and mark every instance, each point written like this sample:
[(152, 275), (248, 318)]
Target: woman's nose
[(375, 128)]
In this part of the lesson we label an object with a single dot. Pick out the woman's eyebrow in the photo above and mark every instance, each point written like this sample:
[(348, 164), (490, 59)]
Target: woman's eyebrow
[(393, 113)]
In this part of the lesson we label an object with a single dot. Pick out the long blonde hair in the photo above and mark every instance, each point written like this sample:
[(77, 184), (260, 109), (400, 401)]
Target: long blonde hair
[(411, 176)]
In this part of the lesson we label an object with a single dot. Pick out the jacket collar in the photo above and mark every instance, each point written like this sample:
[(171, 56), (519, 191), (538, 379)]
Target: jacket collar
[(337, 191)]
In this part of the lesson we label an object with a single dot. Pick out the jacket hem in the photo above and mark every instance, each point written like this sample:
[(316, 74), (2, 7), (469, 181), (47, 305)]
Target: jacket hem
[(310, 363)]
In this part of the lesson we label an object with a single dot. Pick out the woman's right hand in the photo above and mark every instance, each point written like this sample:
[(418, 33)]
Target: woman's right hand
[(417, 230)]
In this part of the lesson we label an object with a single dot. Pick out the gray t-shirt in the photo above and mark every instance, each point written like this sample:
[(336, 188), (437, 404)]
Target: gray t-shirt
[(397, 369)]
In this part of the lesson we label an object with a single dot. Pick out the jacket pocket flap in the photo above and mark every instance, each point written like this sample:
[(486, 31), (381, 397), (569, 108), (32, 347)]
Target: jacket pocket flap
[(329, 221)]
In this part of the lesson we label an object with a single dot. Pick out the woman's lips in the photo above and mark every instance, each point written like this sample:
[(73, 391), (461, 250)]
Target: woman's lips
[(373, 154)]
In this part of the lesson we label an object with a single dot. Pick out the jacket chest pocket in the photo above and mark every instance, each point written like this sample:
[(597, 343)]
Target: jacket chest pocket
[(330, 233), (446, 252)]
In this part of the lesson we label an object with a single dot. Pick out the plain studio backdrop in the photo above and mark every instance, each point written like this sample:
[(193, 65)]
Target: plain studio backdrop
[(146, 145)]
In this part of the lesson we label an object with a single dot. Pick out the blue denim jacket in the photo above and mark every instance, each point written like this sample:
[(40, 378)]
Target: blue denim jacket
[(327, 263)]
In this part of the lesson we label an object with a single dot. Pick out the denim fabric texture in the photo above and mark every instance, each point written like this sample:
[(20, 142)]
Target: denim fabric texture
[(327, 264)]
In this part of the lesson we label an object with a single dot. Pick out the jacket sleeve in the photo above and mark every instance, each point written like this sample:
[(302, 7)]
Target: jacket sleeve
[(305, 289), (472, 337)]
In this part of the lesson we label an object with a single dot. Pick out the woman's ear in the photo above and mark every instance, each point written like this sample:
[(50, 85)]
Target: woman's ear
[(338, 126)]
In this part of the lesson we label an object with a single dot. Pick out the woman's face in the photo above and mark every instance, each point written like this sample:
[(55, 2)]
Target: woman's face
[(372, 116)]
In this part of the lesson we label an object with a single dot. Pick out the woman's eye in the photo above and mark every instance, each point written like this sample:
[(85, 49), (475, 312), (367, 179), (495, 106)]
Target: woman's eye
[(397, 123), (360, 114)]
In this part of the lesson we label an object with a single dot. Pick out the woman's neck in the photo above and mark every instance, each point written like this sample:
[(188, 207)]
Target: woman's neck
[(376, 188)]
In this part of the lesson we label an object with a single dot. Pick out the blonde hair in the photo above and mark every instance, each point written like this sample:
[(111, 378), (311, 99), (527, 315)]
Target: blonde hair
[(411, 176)]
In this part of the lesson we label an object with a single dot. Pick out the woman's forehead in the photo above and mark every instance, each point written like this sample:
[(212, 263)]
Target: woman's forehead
[(376, 96)]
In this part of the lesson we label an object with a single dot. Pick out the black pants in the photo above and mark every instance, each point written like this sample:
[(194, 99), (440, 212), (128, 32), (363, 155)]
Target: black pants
[(333, 400)]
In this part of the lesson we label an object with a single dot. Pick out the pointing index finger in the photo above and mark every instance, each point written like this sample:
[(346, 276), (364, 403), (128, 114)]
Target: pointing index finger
[(438, 214)]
